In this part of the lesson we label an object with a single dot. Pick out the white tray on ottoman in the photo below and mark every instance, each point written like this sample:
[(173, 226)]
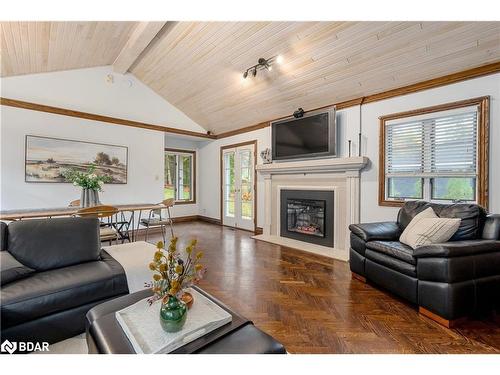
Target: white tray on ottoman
[(141, 324)]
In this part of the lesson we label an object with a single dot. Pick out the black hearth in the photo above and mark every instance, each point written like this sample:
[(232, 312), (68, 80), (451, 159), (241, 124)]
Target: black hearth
[(307, 215)]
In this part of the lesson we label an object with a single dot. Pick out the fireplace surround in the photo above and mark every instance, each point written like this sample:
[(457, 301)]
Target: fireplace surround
[(337, 177)]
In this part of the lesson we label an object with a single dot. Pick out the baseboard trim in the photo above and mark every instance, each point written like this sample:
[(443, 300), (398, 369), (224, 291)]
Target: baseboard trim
[(184, 219), (210, 220), (191, 218)]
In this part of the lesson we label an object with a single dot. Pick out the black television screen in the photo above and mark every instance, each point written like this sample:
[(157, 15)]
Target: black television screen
[(308, 136)]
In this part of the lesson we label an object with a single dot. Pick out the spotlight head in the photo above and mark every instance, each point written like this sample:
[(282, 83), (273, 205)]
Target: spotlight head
[(262, 61), (298, 113), (254, 73), (245, 75)]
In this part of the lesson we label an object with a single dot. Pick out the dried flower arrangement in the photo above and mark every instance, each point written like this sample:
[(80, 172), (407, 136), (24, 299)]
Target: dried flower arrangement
[(173, 274)]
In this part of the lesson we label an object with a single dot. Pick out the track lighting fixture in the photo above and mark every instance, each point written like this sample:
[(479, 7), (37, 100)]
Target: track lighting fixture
[(263, 63)]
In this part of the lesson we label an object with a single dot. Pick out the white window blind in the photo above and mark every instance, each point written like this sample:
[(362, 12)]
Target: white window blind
[(433, 146)]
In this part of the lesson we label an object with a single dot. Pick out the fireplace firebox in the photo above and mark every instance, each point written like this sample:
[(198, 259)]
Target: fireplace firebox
[(307, 215)]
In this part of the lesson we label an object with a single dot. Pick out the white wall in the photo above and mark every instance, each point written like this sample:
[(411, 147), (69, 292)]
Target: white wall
[(488, 85), (145, 167), (85, 90), (349, 127), (209, 172), (180, 143)]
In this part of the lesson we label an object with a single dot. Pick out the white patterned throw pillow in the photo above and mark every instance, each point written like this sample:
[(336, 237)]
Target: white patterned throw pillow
[(426, 228)]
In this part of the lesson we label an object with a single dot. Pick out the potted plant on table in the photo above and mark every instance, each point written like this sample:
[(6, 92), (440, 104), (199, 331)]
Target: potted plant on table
[(172, 276), (90, 182)]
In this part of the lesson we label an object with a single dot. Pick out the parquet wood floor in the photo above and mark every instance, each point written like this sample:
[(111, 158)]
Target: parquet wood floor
[(311, 304)]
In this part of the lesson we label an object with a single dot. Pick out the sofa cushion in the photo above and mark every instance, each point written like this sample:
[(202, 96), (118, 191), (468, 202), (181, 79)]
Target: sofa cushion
[(52, 243), (392, 263), (11, 269), (472, 217), (394, 249), (53, 291), (398, 283)]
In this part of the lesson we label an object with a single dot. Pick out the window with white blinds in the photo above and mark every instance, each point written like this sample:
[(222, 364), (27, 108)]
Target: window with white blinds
[(432, 157), (445, 144)]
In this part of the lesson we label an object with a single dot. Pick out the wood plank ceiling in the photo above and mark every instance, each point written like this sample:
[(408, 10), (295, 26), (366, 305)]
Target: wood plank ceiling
[(38, 47), (198, 66)]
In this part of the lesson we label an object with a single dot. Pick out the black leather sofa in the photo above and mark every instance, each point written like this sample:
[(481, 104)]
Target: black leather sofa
[(53, 272), (447, 281)]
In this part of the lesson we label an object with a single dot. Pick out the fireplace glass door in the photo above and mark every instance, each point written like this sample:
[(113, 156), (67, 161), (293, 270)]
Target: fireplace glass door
[(306, 216)]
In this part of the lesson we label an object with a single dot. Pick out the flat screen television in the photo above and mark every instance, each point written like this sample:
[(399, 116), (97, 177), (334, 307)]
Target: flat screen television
[(314, 135)]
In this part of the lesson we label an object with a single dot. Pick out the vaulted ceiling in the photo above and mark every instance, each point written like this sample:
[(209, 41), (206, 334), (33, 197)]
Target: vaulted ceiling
[(198, 66), (39, 47)]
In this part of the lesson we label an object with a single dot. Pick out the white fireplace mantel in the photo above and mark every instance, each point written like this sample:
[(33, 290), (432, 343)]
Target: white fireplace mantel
[(314, 166), (346, 169)]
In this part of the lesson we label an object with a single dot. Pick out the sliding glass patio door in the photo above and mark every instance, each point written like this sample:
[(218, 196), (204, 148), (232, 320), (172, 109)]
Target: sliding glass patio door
[(238, 186)]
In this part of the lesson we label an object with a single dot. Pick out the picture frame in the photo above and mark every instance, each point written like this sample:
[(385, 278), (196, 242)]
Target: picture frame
[(46, 158)]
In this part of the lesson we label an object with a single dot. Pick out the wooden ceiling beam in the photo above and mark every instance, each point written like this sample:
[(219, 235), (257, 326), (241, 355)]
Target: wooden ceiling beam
[(142, 35), (96, 117)]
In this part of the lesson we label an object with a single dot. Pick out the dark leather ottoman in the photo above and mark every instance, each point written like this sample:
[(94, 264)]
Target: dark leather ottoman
[(104, 334)]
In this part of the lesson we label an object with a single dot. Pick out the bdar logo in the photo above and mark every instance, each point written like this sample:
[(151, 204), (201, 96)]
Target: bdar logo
[(8, 346)]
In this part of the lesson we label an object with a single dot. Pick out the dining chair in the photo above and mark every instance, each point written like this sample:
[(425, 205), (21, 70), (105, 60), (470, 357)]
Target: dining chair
[(157, 218), (108, 229), (125, 226), (75, 203)]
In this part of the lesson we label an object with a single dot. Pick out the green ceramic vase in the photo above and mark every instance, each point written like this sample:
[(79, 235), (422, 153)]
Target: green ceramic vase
[(173, 314)]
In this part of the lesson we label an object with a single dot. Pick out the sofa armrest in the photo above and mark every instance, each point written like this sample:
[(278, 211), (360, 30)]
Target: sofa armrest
[(457, 249), (491, 229), (382, 231)]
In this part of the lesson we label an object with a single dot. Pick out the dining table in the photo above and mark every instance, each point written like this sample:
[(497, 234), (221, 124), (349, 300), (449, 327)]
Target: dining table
[(49, 212)]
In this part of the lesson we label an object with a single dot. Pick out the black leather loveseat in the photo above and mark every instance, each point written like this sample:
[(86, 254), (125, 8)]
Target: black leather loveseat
[(447, 281), (53, 272)]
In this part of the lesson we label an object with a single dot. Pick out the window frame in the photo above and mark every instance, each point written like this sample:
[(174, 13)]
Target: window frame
[(192, 153), (482, 156)]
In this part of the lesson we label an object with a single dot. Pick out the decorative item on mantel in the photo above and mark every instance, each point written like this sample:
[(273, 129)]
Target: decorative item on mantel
[(90, 182), (173, 276), (266, 156)]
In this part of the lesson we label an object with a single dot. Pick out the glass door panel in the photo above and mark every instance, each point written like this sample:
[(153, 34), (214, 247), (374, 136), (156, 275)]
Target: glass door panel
[(238, 187), (229, 189)]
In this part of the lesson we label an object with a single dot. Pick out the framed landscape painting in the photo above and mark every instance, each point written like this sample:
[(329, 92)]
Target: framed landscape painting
[(46, 159)]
